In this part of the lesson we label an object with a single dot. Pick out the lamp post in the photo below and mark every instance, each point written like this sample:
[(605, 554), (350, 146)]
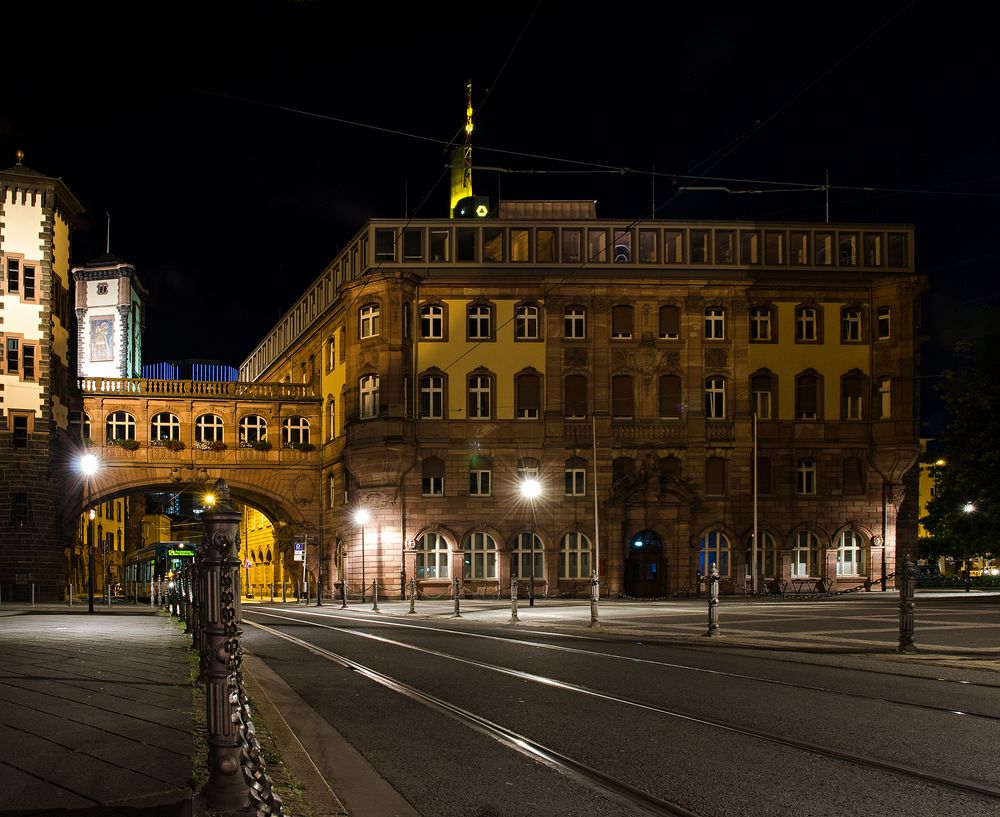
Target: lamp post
[(319, 573), (361, 517), (89, 466), (530, 489)]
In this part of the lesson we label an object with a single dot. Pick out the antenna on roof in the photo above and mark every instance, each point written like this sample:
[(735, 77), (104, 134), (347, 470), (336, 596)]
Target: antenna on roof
[(107, 245)]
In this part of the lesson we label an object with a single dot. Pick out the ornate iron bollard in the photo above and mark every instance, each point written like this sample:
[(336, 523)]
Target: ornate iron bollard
[(237, 774), (595, 593), (513, 601), (413, 597), (455, 594), (713, 602), (907, 590)]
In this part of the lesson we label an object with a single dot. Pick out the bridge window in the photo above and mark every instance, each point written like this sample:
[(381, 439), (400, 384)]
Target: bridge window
[(433, 557), (208, 428), (120, 426), (79, 425), (294, 431), (165, 426), (527, 549), (480, 559), (806, 555), (253, 429), (714, 550), (574, 556)]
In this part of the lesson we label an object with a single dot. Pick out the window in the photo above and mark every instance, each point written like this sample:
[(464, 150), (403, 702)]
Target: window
[(572, 245), (715, 398), (20, 429), (432, 397), (806, 555), (884, 323), (294, 431), (165, 426), (575, 401), (28, 361), (331, 419), (807, 397), (713, 550), (765, 481), (762, 395), (432, 322), (368, 389), (806, 324), (576, 477), (673, 246), (385, 245), (622, 243), (545, 245), (873, 249), (597, 246), (432, 480), (79, 425), (670, 322), (854, 477), (527, 468), (850, 325), (622, 396), (798, 248), (527, 396), (433, 557), (884, 401), (526, 322), (13, 276), (439, 245), (480, 397), (208, 428), (519, 245), (774, 248), (621, 321), (715, 476), (574, 556), (465, 244), (480, 322), (371, 321), (670, 396), (526, 556), (805, 477), (850, 554), (766, 551), (29, 283), (574, 323), (13, 356), (760, 324), (480, 480), (413, 245), (331, 353), (848, 249), (331, 491), (852, 403), (480, 557), (253, 429), (699, 246), (715, 323), (725, 247), (897, 249), (120, 426), (647, 246), (492, 244), (750, 247)]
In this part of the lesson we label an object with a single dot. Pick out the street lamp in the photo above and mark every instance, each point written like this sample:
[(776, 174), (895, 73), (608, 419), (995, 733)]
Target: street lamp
[(88, 467), (361, 517), (969, 507), (530, 490)]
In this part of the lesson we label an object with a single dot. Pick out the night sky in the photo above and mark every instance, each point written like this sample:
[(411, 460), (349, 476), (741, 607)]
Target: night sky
[(174, 119)]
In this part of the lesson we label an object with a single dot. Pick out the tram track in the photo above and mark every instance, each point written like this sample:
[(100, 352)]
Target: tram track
[(612, 787), (689, 668)]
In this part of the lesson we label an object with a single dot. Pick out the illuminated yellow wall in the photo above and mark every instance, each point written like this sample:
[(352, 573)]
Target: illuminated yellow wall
[(831, 358), (332, 384), (257, 539), (156, 528), (503, 357)]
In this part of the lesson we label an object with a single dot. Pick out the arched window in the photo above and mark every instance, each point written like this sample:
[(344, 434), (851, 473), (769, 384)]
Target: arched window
[(807, 324), (433, 557), (253, 429), (850, 554), (120, 426), (480, 396), (574, 556), (766, 555), (762, 395), (164, 426), (432, 322), (714, 549), (208, 428), (526, 322), (432, 397), (331, 419), (806, 555), (480, 559), (480, 322), (294, 431), (527, 545)]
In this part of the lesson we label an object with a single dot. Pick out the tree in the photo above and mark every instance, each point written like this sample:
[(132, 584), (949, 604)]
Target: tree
[(964, 515)]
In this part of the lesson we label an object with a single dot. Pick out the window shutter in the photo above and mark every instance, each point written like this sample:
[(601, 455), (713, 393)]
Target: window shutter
[(670, 321), (576, 396), (806, 393), (621, 396), (715, 475), (621, 321), (670, 396), (528, 392)]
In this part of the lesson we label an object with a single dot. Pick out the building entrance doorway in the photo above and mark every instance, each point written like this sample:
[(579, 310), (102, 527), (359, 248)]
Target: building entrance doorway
[(645, 567)]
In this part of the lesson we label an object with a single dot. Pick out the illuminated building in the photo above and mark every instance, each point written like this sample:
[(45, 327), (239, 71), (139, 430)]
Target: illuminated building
[(37, 214), (457, 357)]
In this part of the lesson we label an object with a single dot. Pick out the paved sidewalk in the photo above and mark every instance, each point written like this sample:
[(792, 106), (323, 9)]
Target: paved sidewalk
[(96, 713)]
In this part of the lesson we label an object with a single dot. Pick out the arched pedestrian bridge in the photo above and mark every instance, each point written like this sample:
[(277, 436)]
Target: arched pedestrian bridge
[(174, 435)]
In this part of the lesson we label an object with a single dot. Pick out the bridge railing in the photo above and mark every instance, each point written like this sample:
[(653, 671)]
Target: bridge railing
[(147, 387)]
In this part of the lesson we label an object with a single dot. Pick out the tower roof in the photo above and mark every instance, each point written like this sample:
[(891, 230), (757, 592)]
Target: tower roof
[(21, 177)]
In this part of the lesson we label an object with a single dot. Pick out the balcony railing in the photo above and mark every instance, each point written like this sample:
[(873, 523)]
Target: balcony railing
[(145, 387)]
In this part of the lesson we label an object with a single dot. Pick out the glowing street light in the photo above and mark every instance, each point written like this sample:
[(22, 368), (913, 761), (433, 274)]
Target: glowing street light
[(361, 517), (531, 489), (89, 467), (969, 507)]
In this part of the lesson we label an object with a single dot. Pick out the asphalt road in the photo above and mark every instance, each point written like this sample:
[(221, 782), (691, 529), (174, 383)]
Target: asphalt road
[(801, 709)]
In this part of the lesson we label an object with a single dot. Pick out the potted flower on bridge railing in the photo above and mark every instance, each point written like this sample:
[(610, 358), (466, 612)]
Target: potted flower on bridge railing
[(300, 446), (128, 445), (256, 445), (211, 445), (170, 445)]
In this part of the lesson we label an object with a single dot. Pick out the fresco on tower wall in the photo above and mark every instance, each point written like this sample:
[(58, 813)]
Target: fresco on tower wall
[(102, 339)]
